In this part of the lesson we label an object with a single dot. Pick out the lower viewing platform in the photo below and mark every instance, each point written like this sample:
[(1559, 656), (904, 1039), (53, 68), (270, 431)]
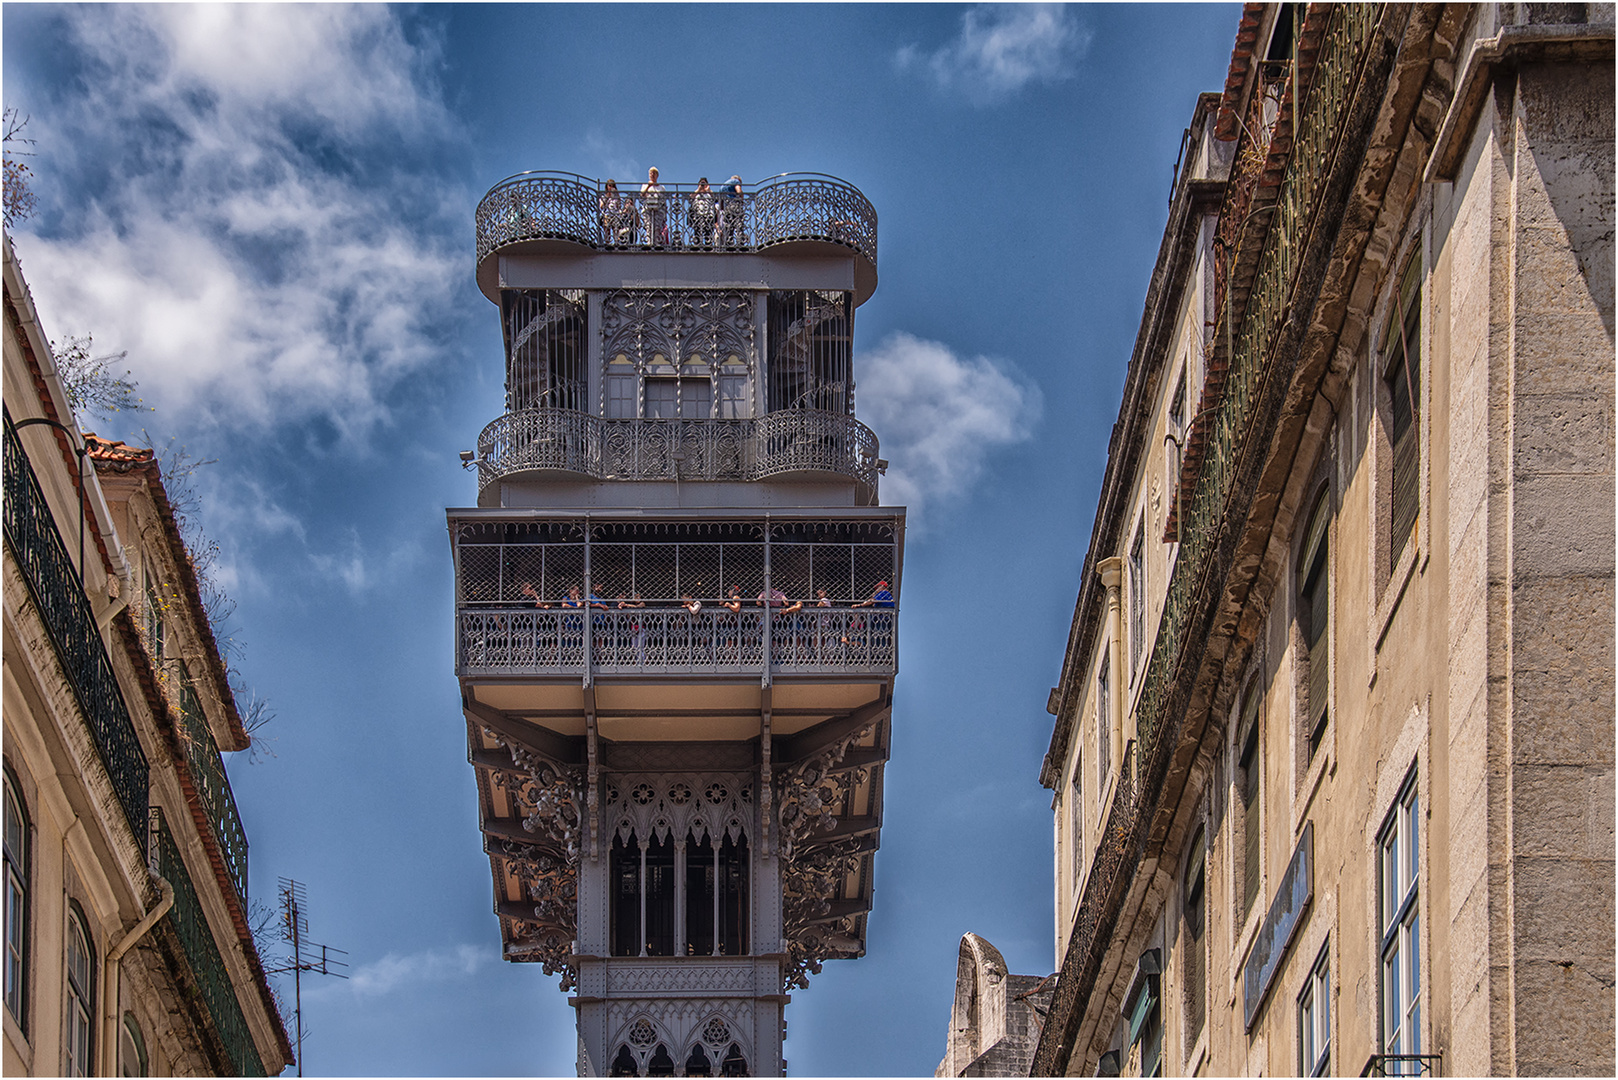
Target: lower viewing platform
[(550, 594)]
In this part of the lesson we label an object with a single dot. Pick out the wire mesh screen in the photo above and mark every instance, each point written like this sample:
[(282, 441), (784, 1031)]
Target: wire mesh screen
[(677, 597)]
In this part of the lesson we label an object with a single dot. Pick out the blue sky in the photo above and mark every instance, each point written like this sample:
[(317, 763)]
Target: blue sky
[(271, 210)]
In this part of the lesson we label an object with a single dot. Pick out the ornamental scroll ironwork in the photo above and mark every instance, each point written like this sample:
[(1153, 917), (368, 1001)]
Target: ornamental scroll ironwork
[(705, 804), (810, 793), (553, 884), (554, 791), (680, 325), (809, 882)]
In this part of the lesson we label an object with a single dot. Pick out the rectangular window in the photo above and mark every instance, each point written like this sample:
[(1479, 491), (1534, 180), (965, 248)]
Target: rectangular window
[(1196, 974), (1137, 596), (1314, 1021), (1314, 610), (733, 403), (1075, 827), (696, 399), (1250, 768), (16, 901), (1399, 871), (662, 399), (621, 397), (1103, 728), (1402, 375)]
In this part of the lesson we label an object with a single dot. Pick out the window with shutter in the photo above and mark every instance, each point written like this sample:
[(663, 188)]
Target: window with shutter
[(1402, 375), (1251, 765), (1314, 613)]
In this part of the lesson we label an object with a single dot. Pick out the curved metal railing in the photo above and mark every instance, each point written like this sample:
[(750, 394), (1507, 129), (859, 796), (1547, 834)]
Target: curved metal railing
[(795, 440), (567, 206)]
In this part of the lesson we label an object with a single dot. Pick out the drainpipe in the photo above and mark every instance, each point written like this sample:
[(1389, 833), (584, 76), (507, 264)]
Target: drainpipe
[(109, 976), (1111, 572)]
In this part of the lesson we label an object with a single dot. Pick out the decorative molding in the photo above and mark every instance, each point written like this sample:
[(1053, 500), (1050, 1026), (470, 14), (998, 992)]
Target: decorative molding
[(656, 804)]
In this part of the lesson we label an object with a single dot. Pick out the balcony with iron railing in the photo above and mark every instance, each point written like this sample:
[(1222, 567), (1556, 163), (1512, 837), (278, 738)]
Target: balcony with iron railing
[(58, 591), (560, 597), (787, 444), (540, 212), (212, 783), (189, 922), (1288, 248)]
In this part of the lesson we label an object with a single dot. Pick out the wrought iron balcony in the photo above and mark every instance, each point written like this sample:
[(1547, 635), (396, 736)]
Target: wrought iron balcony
[(190, 924), (791, 207), (525, 641), (207, 768), (519, 582), (776, 444), (58, 591), (1403, 1065)]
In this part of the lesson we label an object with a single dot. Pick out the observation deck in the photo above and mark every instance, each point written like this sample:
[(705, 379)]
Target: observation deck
[(564, 444), (561, 214)]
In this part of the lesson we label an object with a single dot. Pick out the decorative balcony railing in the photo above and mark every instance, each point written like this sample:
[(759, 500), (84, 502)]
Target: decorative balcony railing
[(1209, 517), (190, 924), (207, 769), (518, 581), (793, 440), (519, 641), (1403, 1065), (58, 590), (565, 206)]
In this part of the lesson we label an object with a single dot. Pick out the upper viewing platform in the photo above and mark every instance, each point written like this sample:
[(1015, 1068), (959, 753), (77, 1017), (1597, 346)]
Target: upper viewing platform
[(559, 214)]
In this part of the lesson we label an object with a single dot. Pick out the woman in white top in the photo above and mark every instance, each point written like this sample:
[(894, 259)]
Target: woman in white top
[(652, 205)]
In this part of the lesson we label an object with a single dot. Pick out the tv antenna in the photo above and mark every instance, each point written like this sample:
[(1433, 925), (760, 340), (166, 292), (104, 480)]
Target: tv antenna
[(295, 931)]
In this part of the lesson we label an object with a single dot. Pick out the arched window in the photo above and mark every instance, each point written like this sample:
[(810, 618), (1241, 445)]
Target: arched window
[(660, 1064), (131, 1048), (80, 995), (735, 1063), (16, 904), (624, 1064), (697, 1063)]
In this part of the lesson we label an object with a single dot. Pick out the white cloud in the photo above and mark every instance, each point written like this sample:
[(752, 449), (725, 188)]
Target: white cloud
[(1001, 49), (940, 415), (250, 200), (412, 970)]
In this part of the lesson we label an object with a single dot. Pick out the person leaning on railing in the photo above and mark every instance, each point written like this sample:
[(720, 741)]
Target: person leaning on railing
[(703, 216), (617, 216), (730, 232)]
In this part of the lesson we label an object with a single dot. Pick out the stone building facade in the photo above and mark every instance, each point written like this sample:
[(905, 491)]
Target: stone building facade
[(128, 946), (996, 1018), (1333, 751)]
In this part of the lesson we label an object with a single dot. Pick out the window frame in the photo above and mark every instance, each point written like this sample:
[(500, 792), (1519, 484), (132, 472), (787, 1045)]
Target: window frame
[(1400, 342), (1194, 884), (1314, 1017), (1314, 589), (1104, 692), (130, 1031), (79, 996), (1398, 864), (1249, 771), (1137, 598), (19, 889)]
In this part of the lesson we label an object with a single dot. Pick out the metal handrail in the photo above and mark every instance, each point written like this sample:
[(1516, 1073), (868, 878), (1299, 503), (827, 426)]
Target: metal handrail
[(190, 924), (212, 783), (790, 440), (58, 592), (528, 640), (551, 205)]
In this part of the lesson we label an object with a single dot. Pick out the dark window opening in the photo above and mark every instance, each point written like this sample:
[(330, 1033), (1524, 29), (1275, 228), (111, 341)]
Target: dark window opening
[(1251, 765), (624, 1064), (1315, 612), (811, 351), (698, 1064), (1402, 377), (1196, 975), (734, 1064), (545, 349), (661, 1064), (625, 866)]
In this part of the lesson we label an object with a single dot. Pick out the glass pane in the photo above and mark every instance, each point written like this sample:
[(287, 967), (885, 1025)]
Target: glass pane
[(621, 397), (660, 399), (695, 399)]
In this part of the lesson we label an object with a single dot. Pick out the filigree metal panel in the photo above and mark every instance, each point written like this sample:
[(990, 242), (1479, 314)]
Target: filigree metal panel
[(771, 445), (58, 592), (678, 324), (564, 206)]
